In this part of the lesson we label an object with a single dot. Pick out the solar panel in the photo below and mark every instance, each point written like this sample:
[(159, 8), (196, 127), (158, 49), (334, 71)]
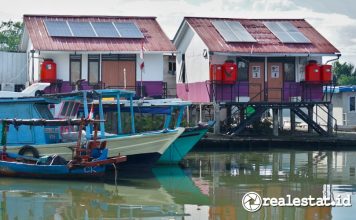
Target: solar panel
[(92, 29), (233, 31), (286, 32), (128, 30), (105, 29), (58, 28), (81, 29)]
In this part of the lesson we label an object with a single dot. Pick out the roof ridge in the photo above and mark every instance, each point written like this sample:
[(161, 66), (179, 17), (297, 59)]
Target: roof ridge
[(253, 19), (87, 16)]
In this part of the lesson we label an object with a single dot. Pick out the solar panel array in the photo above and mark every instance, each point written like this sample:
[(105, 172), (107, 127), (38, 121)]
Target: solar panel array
[(232, 31), (286, 32), (93, 29)]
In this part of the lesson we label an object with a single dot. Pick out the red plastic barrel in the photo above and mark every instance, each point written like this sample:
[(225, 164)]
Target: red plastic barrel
[(216, 72), (48, 71), (312, 71), (325, 72), (230, 72)]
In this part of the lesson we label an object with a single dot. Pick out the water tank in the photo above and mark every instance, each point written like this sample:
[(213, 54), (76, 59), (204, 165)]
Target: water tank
[(48, 71), (312, 72), (216, 72), (326, 74), (230, 72)]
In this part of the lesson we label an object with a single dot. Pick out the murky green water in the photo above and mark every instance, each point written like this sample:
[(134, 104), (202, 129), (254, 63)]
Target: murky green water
[(210, 187)]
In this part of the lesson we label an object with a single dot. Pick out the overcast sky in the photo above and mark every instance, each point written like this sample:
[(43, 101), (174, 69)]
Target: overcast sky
[(335, 19)]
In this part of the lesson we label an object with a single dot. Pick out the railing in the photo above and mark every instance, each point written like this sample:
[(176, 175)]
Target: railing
[(328, 114)]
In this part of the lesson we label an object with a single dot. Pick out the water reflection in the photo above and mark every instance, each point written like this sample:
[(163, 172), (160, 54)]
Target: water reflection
[(275, 174), (210, 186)]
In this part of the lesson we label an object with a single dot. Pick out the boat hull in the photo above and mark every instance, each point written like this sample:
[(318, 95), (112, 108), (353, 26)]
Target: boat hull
[(181, 147), (145, 144), (18, 169)]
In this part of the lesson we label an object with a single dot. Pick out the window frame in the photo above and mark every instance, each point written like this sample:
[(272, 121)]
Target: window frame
[(284, 72), (172, 70), (75, 58), (99, 67), (246, 79)]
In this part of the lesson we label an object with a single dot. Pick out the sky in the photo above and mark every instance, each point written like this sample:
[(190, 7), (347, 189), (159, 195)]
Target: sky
[(334, 19)]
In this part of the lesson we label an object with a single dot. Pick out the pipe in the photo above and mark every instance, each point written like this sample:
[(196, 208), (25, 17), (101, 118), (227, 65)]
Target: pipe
[(338, 57)]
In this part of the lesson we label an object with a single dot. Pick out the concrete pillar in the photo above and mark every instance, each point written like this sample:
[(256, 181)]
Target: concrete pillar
[(200, 113), (188, 116), (292, 121), (216, 118), (330, 119), (281, 118), (275, 122), (310, 114), (292, 166), (228, 114)]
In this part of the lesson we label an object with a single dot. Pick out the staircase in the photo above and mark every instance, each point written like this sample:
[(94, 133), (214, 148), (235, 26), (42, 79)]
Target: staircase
[(249, 120), (302, 115)]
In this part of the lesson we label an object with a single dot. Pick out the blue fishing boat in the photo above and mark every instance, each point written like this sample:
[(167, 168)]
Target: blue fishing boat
[(88, 159), (186, 141), (142, 149)]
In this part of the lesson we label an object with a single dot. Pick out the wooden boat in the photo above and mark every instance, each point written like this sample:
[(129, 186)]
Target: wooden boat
[(88, 159)]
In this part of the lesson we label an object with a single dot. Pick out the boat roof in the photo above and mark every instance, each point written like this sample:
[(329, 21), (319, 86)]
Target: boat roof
[(92, 94), (37, 100)]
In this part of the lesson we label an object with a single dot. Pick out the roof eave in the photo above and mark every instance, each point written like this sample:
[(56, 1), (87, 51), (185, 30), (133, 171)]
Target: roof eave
[(274, 54)]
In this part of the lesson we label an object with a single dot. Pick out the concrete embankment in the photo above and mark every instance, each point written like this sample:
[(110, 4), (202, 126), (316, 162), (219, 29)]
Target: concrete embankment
[(339, 141)]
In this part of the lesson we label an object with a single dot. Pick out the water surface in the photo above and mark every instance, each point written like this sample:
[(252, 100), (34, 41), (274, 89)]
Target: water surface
[(210, 186)]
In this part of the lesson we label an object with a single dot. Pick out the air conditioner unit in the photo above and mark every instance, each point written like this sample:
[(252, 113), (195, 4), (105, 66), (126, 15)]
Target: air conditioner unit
[(8, 87)]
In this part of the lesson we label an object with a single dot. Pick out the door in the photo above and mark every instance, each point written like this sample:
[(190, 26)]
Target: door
[(119, 74), (256, 81), (275, 82)]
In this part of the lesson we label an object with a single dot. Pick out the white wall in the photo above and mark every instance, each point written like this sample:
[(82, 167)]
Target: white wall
[(196, 66), (62, 61), (153, 70), (33, 64)]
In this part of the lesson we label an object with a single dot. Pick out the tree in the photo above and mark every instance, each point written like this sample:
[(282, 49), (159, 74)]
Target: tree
[(10, 35), (345, 73)]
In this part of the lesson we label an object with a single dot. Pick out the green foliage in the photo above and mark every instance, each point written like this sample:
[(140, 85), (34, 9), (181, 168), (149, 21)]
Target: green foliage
[(345, 73), (10, 35)]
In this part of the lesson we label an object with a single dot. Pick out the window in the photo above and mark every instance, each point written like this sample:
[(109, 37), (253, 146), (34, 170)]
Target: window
[(242, 69), (44, 111), (289, 72), (352, 104), (172, 67), (75, 68), (93, 68), (256, 72)]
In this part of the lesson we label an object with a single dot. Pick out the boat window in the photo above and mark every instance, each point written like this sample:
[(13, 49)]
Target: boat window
[(44, 111), (75, 109), (64, 108), (70, 108)]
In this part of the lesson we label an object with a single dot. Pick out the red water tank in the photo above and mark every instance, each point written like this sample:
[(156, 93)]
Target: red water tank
[(325, 72), (48, 71), (230, 72), (216, 72), (312, 71)]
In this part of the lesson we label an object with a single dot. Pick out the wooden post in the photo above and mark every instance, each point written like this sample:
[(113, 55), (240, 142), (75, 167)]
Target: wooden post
[(292, 121), (310, 114), (275, 122), (228, 114), (281, 119), (330, 119)]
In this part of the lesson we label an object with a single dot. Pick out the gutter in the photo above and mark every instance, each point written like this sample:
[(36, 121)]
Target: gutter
[(276, 54)]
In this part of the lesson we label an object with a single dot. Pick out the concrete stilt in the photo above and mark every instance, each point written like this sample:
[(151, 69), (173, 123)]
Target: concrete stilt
[(275, 122), (310, 114), (188, 116), (228, 114), (216, 118), (292, 121), (200, 113), (281, 125), (330, 119)]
